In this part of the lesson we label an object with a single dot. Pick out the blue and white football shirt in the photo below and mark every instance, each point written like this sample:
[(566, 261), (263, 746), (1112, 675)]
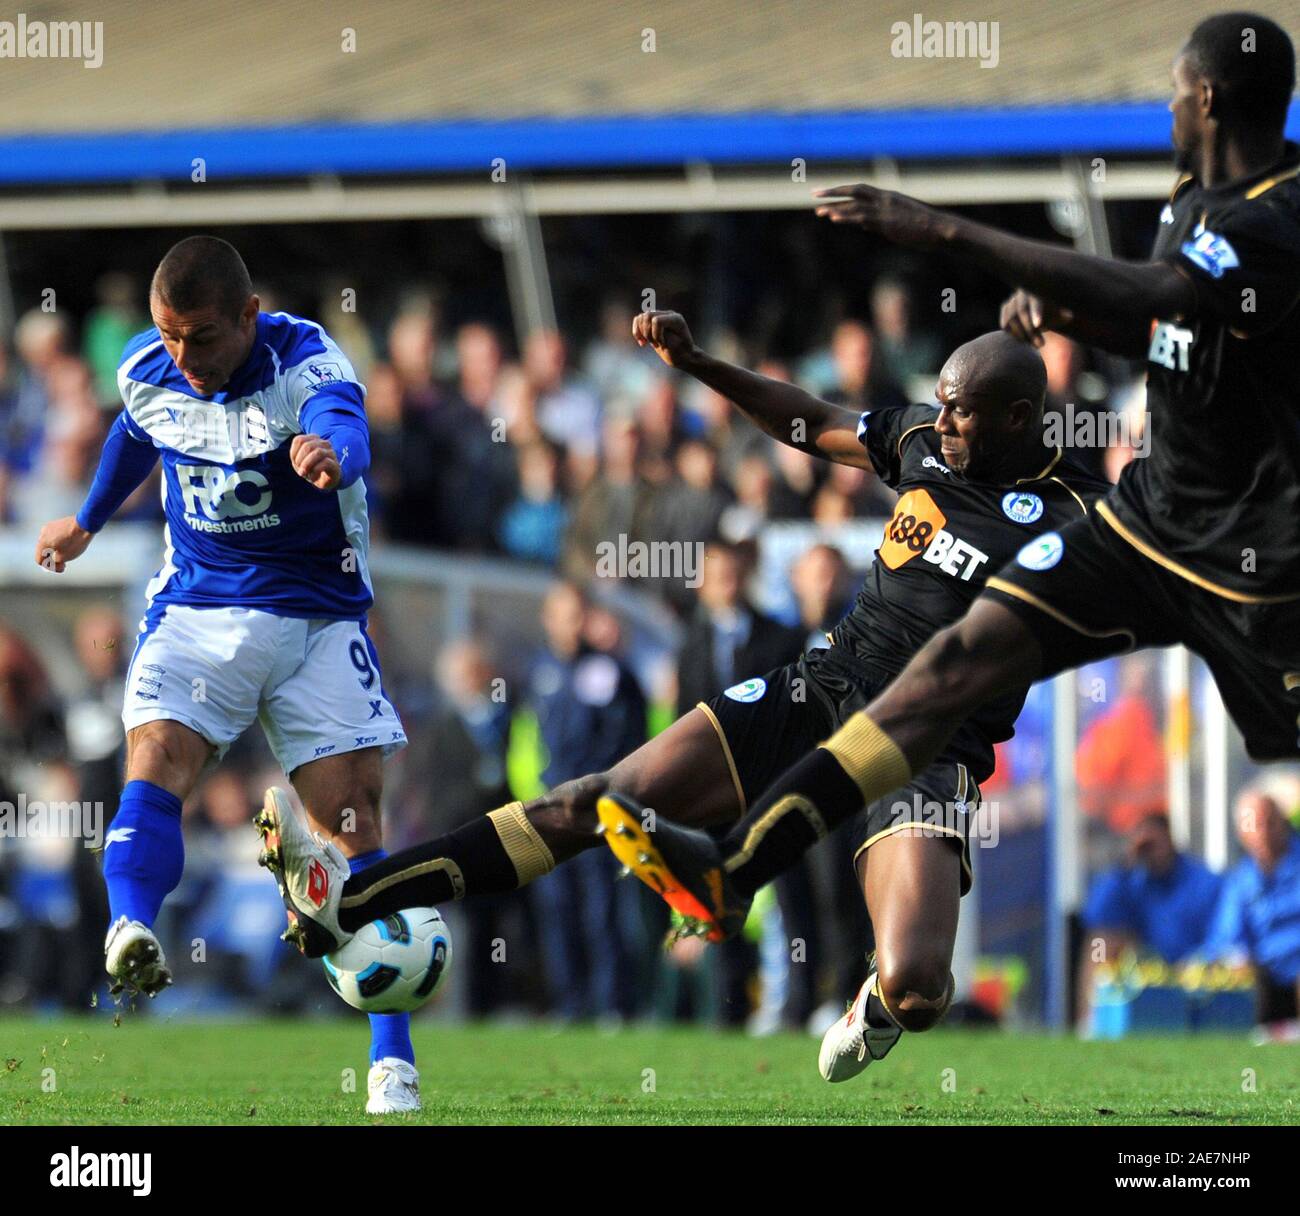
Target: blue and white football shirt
[(243, 529)]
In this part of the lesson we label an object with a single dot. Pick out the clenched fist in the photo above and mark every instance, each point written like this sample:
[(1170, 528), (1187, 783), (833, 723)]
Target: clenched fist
[(1026, 317), (667, 332), (313, 459), (60, 541)]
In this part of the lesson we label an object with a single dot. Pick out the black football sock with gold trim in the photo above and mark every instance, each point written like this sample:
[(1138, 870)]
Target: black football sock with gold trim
[(489, 856), (856, 765)]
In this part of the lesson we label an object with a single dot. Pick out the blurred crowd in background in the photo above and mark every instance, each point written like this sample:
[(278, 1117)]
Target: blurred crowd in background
[(538, 454)]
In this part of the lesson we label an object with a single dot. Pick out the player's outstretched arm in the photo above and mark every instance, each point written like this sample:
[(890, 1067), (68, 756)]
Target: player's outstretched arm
[(782, 410), (127, 459), (1099, 292)]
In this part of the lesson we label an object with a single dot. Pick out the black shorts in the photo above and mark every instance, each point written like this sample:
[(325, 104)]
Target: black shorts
[(1087, 592), (769, 723)]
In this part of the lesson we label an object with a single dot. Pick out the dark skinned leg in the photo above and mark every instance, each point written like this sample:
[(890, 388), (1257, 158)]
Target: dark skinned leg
[(912, 888), (985, 655), (681, 774)]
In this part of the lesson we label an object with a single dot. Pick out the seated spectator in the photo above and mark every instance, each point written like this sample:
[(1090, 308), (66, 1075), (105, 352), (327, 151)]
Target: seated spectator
[(753, 482), (727, 639), (532, 526), (735, 438), (617, 503), (797, 478), (1258, 916), (1161, 902), (824, 588), (40, 343), (905, 354), (384, 418), (662, 429), (1120, 761), (62, 466), (412, 451), (478, 477), (614, 364), (861, 382), (567, 411), (108, 327), (691, 509)]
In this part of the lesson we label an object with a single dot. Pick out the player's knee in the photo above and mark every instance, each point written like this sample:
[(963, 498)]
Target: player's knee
[(347, 807), (915, 988)]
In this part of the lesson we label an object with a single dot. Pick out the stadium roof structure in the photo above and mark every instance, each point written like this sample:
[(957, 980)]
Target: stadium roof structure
[(431, 84), (339, 96)]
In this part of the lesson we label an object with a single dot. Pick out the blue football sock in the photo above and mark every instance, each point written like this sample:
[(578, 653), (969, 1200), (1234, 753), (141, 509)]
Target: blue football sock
[(143, 852), (390, 1033)]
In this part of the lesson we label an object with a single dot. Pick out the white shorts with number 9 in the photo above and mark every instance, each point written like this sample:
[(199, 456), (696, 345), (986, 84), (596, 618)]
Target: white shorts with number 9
[(315, 685)]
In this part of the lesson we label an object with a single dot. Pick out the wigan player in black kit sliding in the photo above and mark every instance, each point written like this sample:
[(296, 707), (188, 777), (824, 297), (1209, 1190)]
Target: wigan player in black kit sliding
[(1199, 543), (977, 485)]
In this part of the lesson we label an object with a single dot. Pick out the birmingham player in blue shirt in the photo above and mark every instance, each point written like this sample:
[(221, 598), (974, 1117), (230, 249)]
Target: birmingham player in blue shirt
[(259, 607)]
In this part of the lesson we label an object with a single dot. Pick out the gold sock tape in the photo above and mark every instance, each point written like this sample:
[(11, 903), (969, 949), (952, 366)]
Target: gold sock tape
[(445, 864), (525, 848), (769, 819), (869, 756)]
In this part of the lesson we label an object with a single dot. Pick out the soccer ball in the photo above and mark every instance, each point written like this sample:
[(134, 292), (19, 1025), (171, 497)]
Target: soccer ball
[(392, 965)]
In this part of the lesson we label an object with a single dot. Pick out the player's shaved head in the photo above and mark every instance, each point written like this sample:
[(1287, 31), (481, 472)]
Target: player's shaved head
[(201, 272), (991, 393), (1001, 368)]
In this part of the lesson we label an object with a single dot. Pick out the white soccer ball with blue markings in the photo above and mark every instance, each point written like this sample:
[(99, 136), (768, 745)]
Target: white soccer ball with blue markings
[(392, 965)]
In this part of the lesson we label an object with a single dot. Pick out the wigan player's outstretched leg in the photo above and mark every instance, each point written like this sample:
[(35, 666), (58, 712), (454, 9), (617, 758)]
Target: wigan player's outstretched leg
[(683, 771), (879, 750)]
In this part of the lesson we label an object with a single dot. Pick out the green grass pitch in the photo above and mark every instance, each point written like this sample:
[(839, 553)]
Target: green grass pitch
[(149, 1070)]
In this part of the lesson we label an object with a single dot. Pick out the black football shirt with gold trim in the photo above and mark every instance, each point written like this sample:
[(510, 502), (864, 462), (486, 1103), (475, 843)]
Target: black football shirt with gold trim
[(947, 535), (1217, 499)]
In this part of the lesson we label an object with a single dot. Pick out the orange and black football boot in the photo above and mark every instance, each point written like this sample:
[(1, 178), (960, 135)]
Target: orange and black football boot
[(683, 865)]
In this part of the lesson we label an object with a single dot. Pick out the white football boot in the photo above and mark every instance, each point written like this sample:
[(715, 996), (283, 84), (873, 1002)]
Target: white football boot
[(310, 873), (852, 1043), (393, 1086), (134, 959)]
